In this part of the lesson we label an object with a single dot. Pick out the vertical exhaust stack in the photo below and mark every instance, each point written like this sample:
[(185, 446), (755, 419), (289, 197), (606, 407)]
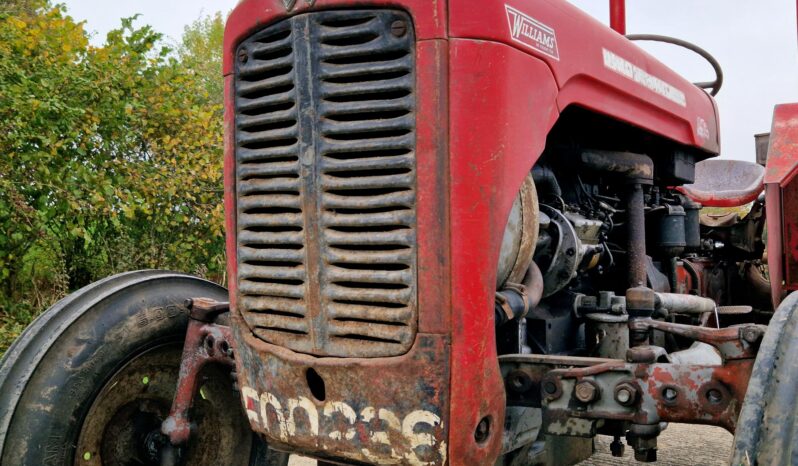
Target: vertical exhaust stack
[(618, 16)]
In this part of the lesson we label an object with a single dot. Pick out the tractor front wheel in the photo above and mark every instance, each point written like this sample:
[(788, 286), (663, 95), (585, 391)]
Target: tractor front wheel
[(767, 430), (93, 378)]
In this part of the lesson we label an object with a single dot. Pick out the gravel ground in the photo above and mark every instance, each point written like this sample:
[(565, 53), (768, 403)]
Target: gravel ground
[(679, 445)]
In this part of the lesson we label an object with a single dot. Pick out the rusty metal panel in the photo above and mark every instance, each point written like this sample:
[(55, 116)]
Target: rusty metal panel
[(368, 410), (326, 183)]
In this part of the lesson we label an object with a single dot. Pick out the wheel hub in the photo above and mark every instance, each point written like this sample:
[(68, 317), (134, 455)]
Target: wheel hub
[(123, 425)]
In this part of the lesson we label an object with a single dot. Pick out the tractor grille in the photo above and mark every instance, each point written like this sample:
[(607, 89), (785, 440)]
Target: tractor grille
[(326, 190)]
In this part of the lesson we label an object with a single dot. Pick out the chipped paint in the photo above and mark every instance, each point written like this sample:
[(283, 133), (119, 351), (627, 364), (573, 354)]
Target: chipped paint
[(339, 421)]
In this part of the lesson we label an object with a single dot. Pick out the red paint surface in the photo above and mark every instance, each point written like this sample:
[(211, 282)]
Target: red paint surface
[(618, 16), (486, 104), (580, 72), (782, 201), (429, 18), (498, 125)]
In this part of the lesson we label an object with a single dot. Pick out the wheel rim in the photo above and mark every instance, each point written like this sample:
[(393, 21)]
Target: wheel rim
[(122, 427)]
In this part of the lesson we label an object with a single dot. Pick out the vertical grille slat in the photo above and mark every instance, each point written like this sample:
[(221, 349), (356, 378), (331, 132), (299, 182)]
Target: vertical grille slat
[(326, 183)]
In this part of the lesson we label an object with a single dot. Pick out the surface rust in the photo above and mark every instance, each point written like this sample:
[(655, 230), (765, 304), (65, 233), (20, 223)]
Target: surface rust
[(388, 410), (205, 343), (658, 391), (326, 183)]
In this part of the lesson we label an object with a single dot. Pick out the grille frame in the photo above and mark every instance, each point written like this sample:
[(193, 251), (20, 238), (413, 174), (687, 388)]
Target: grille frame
[(326, 195)]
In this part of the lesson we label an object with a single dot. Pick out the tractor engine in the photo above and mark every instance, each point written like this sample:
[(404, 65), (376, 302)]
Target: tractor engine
[(614, 223)]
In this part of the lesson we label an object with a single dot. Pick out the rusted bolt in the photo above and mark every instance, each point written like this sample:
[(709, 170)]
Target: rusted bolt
[(586, 391), (751, 334), (625, 394), (243, 56), (714, 396), (670, 393), (518, 381), (483, 430), (399, 28), (550, 388)]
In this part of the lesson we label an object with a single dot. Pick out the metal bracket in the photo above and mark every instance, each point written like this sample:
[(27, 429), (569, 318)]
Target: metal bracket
[(640, 392), (205, 343)]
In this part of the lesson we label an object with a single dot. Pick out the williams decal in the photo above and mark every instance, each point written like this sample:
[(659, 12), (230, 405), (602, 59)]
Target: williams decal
[(532, 33)]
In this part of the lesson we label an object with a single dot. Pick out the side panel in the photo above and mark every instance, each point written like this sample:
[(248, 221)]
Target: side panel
[(595, 67), (781, 189), (502, 105)]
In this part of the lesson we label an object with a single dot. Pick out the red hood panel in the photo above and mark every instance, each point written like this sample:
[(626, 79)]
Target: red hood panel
[(594, 66)]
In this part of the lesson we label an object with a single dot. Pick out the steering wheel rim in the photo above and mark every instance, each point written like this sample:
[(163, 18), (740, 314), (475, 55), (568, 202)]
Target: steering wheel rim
[(713, 85)]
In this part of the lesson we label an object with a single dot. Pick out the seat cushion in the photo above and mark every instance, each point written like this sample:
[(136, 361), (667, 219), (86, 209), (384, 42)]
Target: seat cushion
[(725, 183)]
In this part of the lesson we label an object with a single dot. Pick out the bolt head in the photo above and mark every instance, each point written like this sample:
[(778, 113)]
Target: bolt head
[(518, 381), (617, 448), (625, 394), (483, 430), (399, 28), (586, 391), (751, 334), (243, 56), (714, 396), (670, 393), (550, 388)]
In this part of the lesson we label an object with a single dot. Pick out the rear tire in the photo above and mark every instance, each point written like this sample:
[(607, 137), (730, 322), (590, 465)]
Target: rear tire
[(767, 431), (97, 371)]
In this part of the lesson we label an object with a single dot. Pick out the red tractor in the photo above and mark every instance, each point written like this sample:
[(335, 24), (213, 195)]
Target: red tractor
[(466, 233)]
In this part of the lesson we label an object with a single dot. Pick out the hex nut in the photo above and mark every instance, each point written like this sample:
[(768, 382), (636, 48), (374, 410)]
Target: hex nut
[(670, 394), (586, 391), (625, 394), (751, 334), (518, 381), (551, 390)]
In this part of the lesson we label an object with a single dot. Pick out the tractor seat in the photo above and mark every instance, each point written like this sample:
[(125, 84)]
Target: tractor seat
[(725, 183)]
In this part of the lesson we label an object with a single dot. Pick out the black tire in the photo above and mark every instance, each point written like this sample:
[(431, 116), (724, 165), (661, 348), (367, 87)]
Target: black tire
[(767, 429), (59, 371)]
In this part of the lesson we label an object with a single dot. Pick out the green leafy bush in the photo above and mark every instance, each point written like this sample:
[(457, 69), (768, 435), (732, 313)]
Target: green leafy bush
[(110, 156)]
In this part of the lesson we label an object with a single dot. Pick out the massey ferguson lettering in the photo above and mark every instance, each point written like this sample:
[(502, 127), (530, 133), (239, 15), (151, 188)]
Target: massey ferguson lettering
[(532, 33), (625, 68)]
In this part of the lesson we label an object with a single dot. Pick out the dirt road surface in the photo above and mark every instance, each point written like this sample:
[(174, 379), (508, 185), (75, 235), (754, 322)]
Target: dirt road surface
[(679, 445)]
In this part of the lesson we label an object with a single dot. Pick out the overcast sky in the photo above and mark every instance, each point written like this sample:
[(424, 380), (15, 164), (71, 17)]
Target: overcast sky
[(754, 41)]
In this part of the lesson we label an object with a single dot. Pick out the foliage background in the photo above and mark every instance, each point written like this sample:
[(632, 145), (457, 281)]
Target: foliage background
[(110, 155)]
